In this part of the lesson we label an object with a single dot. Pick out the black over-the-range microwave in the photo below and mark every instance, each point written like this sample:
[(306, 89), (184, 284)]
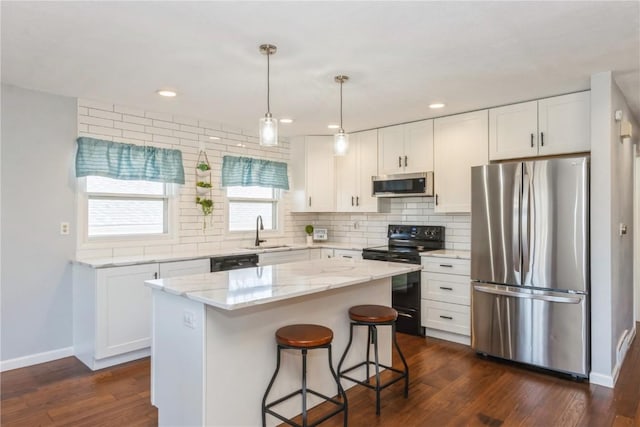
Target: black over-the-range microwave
[(402, 185)]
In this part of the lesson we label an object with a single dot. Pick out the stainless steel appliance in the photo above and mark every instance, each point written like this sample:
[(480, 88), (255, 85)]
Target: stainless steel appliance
[(403, 185), (530, 262), (405, 244), (233, 262)]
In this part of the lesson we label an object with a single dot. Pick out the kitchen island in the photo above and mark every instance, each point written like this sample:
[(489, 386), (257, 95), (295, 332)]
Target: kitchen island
[(213, 347)]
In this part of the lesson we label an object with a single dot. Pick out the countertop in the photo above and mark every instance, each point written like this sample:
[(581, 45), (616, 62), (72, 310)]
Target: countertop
[(104, 262), (448, 253), (235, 289)]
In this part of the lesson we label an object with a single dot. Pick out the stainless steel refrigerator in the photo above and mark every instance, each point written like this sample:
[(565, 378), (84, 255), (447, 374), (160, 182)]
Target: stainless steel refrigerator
[(530, 263)]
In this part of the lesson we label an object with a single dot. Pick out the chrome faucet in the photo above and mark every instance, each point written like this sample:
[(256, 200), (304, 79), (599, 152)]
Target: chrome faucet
[(259, 226)]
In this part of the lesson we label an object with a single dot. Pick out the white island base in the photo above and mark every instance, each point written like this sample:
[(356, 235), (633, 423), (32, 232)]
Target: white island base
[(211, 365)]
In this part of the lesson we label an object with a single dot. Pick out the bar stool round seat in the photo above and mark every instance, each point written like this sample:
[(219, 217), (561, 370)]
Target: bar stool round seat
[(373, 316), (305, 337)]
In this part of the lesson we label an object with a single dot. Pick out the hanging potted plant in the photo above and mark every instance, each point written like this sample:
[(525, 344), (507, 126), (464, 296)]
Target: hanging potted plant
[(309, 230), (206, 205)]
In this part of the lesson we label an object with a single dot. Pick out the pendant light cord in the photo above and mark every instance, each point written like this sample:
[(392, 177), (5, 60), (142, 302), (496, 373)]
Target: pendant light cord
[(268, 88), (341, 130)]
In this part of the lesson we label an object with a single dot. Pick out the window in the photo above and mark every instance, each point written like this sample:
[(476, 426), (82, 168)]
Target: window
[(126, 208), (246, 203)]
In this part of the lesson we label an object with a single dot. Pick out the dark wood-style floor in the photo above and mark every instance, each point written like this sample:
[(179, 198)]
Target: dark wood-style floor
[(449, 385)]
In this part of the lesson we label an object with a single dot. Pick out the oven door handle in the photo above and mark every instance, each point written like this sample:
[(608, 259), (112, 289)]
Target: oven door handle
[(394, 259)]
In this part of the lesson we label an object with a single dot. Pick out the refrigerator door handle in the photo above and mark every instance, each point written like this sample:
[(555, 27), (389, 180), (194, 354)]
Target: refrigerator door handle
[(525, 225), (516, 247), (537, 296)]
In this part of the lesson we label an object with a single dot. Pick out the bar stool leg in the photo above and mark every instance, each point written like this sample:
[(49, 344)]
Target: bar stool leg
[(273, 378), (346, 350), (341, 392), (304, 387), (369, 342), (404, 362), (375, 350)]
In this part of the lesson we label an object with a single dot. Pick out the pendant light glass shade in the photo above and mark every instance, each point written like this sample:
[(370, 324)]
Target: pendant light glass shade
[(340, 139), (268, 131), (268, 124), (340, 144)]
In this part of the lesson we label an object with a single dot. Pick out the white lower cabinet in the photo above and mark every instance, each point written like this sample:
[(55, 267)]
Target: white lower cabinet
[(347, 253), (446, 298), (112, 309)]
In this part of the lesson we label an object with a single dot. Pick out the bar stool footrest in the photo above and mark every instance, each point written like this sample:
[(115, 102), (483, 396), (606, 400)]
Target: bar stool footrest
[(366, 383), (325, 417)]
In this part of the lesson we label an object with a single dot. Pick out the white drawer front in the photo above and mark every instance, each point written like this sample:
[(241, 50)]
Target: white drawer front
[(451, 288), (446, 317), (446, 265)]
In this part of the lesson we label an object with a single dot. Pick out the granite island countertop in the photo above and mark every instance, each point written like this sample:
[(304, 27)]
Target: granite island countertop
[(236, 289)]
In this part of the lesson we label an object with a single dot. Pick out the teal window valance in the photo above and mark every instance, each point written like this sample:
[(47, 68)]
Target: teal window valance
[(247, 172), (110, 159)]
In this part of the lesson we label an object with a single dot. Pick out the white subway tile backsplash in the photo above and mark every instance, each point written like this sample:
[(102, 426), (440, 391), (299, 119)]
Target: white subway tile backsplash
[(128, 110), (104, 114)]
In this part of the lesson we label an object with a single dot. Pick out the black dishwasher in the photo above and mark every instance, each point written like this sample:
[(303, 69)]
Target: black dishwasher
[(233, 262)]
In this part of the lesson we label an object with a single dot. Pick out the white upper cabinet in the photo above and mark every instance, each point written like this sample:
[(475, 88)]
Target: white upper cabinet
[(556, 125), (564, 123), (312, 174), (406, 148), (460, 142), (354, 172)]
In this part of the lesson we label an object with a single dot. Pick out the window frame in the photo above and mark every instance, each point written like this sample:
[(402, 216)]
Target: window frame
[(103, 242), (278, 208)]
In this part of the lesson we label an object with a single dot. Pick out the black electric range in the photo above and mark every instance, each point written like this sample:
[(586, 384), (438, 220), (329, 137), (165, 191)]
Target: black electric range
[(405, 244)]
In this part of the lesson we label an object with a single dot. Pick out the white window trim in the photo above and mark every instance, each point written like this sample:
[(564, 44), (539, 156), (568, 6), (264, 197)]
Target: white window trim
[(106, 242), (264, 234)]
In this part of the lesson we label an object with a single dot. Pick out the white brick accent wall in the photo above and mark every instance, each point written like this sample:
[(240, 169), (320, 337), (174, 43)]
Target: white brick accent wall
[(135, 126)]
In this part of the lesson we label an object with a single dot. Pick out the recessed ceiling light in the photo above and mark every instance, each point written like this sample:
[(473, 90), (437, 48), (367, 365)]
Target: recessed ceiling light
[(333, 126), (286, 120), (214, 137), (166, 92), (436, 105)]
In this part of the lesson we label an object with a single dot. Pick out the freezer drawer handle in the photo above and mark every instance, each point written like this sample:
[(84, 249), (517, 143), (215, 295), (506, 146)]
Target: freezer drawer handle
[(446, 317), (551, 298), (446, 288), (446, 265)]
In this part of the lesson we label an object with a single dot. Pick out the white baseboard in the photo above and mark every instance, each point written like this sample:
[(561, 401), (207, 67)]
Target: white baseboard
[(601, 379), (34, 359), (621, 352)]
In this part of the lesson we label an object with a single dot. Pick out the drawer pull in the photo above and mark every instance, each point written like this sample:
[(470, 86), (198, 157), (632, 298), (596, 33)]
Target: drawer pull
[(405, 315), (446, 317), (446, 288), (446, 265)]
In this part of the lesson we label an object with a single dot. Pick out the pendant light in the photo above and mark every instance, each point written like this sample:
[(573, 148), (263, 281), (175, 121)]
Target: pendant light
[(268, 125), (340, 139)]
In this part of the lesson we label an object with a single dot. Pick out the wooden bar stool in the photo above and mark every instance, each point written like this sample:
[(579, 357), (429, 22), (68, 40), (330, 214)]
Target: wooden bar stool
[(304, 338), (373, 316)]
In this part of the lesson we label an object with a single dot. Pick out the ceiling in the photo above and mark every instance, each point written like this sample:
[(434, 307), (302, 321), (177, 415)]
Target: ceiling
[(400, 56)]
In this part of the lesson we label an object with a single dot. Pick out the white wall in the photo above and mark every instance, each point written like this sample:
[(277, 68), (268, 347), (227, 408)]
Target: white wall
[(611, 254), (38, 133)]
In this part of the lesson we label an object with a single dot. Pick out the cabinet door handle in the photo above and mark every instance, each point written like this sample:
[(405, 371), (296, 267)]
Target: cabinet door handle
[(446, 288), (155, 275), (309, 201), (446, 265), (347, 256), (405, 161), (446, 317), (399, 161), (542, 139), (351, 200), (436, 200), (357, 200), (531, 140)]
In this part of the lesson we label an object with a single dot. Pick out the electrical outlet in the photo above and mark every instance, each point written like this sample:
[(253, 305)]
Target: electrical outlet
[(189, 319), (64, 228)]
